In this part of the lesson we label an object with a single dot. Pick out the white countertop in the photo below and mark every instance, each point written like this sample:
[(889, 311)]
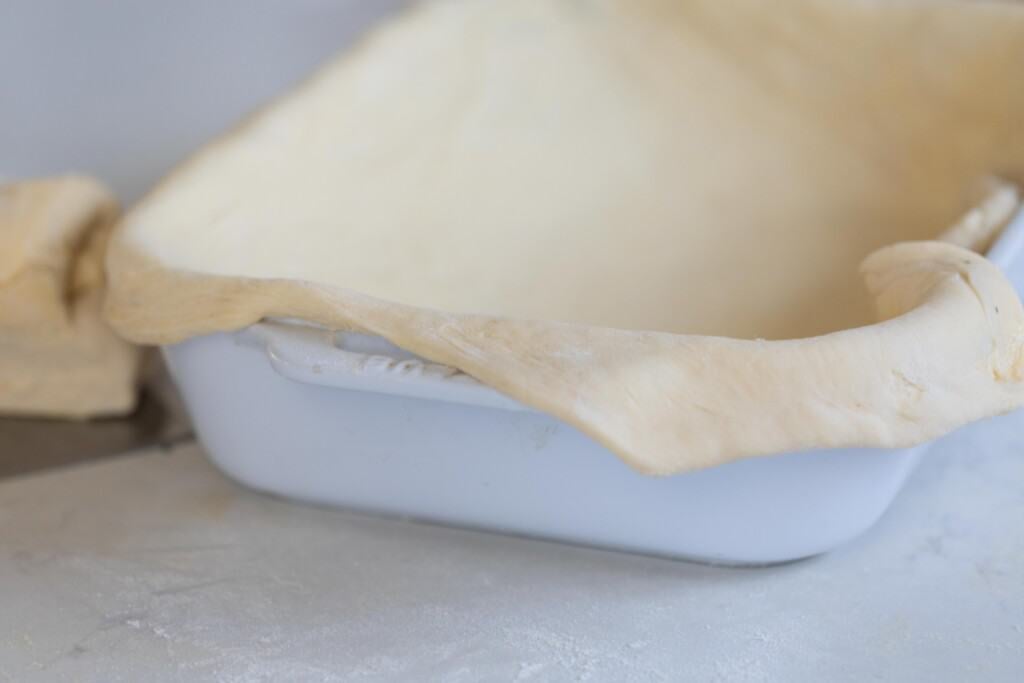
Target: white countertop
[(156, 567)]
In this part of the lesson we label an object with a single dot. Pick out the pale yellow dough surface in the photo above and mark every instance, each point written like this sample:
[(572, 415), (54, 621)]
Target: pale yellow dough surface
[(561, 196), (58, 358)]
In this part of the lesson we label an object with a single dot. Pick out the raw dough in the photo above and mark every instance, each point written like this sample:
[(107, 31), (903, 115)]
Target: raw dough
[(560, 197), (57, 356)]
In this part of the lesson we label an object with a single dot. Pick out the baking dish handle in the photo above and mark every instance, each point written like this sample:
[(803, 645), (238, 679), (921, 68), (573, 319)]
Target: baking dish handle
[(309, 354)]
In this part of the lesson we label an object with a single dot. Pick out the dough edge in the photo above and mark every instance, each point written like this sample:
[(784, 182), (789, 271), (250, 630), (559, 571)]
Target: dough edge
[(949, 350)]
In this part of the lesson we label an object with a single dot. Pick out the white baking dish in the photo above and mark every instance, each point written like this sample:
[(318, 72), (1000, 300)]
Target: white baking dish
[(375, 438), (348, 419)]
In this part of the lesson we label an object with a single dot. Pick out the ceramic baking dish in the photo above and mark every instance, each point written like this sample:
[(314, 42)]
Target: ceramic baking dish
[(377, 435), (348, 419)]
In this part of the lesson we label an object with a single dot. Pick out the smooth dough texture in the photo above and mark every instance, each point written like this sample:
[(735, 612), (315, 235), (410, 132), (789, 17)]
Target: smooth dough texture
[(58, 358), (564, 197)]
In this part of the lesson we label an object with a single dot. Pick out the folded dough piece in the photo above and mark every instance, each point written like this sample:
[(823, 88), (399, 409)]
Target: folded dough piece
[(58, 357), (604, 207)]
